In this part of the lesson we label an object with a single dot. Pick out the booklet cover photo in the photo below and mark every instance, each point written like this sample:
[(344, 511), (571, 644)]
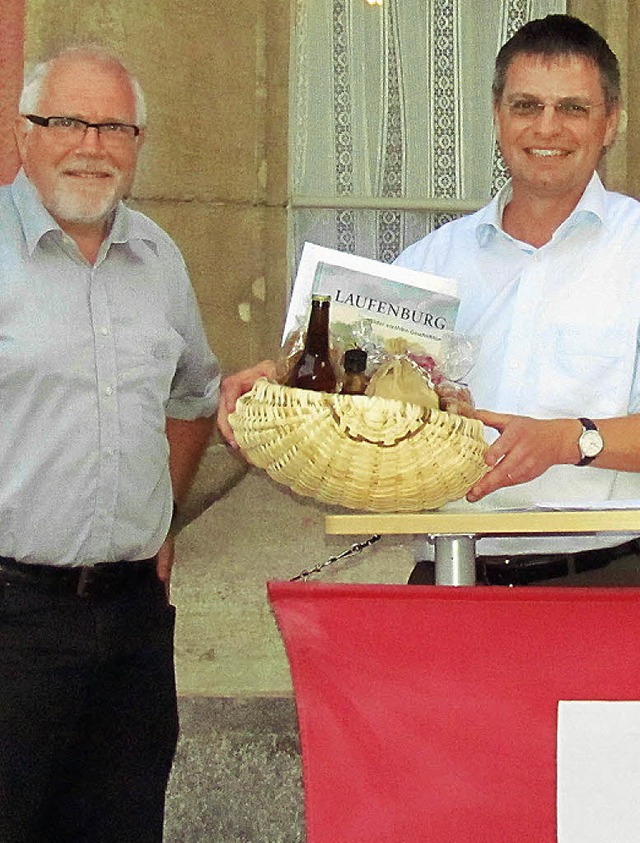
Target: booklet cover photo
[(387, 301)]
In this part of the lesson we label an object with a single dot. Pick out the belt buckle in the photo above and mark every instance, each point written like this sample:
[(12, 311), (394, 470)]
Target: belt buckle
[(84, 580)]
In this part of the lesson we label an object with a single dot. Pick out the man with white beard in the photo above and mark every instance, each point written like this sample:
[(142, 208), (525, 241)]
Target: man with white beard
[(107, 394)]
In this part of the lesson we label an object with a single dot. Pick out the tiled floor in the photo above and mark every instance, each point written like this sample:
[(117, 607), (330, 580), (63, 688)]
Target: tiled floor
[(236, 776)]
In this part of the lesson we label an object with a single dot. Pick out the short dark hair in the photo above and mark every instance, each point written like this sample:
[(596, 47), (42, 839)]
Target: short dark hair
[(560, 35)]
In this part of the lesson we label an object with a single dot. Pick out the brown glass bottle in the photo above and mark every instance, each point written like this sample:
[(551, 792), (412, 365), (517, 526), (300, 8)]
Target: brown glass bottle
[(314, 369), (355, 380)]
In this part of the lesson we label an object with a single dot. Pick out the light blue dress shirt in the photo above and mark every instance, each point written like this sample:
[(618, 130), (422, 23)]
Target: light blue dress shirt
[(559, 336), (92, 360)]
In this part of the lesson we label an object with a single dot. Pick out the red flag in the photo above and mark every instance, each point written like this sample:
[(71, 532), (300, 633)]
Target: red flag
[(430, 713)]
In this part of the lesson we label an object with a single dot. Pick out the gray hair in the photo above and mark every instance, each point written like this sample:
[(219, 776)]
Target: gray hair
[(37, 76)]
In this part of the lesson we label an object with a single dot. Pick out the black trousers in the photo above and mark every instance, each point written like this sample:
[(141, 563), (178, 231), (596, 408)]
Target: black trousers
[(88, 714)]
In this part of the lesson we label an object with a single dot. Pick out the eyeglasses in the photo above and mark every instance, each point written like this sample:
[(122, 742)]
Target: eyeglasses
[(567, 109), (73, 127)]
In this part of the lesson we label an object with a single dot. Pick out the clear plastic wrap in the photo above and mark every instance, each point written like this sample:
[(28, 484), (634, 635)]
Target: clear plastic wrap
[(396, 369)]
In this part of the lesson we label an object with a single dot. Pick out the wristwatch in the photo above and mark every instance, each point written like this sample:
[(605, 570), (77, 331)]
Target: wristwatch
[(590, 442)]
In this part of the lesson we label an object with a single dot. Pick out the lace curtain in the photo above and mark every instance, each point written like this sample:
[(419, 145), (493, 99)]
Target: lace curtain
[(391, 131)]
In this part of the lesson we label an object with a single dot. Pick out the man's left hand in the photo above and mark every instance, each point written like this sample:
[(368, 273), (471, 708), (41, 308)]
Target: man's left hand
[(525, 449)]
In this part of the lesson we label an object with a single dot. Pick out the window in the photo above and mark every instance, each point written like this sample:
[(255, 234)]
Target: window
[(391, 129)]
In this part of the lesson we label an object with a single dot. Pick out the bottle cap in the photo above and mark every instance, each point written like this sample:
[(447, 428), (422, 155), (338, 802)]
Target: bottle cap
[(355, 360), (315, 297)]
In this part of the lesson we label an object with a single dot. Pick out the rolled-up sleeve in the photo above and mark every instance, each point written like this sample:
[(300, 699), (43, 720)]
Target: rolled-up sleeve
[(195, 390)]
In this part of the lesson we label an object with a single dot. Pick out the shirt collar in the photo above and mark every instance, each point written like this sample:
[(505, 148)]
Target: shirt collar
[(592, 202), (489, 222), (592, 206), (37, 221), (128, 227)]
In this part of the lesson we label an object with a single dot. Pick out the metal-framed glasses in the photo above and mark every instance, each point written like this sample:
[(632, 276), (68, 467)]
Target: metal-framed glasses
[(568, 108), (74, 127)]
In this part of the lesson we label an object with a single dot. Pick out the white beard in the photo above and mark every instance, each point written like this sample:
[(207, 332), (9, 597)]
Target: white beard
[(82, 207), (87, 201)]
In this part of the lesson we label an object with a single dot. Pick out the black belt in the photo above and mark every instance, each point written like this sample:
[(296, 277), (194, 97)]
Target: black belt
[(524, 569), (101, 580)]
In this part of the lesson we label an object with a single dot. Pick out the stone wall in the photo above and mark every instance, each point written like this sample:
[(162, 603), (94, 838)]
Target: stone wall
[(11, 63), (619, 22)]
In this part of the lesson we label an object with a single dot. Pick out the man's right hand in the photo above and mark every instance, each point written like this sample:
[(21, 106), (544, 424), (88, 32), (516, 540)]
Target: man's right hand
[(525, 449), (233, 386)]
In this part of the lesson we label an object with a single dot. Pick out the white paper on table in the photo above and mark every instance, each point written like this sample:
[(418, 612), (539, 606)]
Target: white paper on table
[(626, 503), (598, 772)]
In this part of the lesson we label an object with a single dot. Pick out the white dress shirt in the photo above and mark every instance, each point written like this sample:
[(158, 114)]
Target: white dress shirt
[(92, 360), (559, 336)]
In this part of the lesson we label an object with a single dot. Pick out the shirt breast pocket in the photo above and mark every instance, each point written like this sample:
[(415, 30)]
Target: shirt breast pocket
[(146, 380), (586, 370)]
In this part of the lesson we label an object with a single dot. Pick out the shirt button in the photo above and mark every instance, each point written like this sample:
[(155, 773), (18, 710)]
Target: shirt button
[(104, 331), (108, 390)]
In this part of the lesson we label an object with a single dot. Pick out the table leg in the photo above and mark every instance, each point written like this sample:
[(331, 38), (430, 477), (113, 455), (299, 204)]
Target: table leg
[(455, 560)]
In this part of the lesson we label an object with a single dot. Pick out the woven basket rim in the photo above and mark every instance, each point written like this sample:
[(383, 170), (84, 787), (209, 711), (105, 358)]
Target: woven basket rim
[(308, 397), (361, 452)]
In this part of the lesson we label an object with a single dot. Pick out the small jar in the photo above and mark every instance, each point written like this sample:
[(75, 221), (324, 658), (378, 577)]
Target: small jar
[(355, 380)]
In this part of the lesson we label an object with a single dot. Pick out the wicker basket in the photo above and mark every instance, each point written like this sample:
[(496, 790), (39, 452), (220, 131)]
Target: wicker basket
[(363, 453)]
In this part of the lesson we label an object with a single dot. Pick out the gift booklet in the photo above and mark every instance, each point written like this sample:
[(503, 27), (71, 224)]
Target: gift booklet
[(383, 300)]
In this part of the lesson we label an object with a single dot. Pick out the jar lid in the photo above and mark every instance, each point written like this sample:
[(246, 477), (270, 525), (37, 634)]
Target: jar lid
[(355, 360)]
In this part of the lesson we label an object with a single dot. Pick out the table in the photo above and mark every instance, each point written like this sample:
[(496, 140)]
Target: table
[(454, 533)]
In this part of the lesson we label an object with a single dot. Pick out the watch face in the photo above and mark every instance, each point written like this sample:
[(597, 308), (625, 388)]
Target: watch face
[(590, 443)]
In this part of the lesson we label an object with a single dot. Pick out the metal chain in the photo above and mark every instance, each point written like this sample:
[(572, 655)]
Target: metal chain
[(355, 548)]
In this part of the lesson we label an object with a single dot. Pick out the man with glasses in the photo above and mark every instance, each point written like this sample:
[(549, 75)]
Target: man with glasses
[(107, 395), (549, 278)]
